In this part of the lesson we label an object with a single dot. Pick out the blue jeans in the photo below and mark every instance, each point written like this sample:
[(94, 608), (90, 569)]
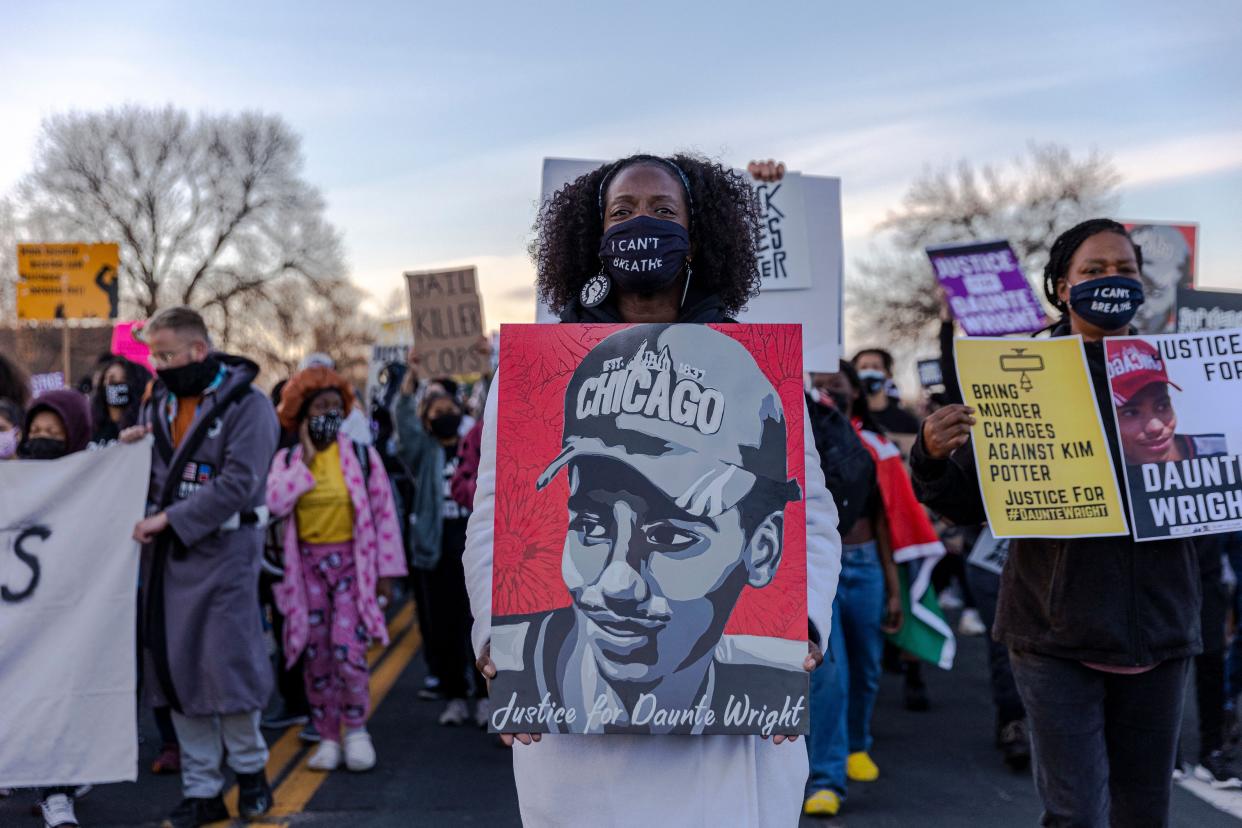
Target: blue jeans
[(843, 689)]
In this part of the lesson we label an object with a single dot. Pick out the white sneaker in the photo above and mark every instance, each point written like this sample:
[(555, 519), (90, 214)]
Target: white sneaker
[(327, 757), (359, 751), (950, 599), (455, 713), (970, 623), (58, 810), (483, 713)]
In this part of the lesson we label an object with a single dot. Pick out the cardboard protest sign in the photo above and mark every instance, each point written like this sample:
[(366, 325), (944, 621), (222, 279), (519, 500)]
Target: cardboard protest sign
[(1042, 456), (125, 342), (800, 258), (989, 552), (784, 255), (68, 281), (650, 533), (986, 288), (391, 346), (42, 383), (447, 317), (1175, 400), (930, 373), (1170, 250), (1208, 310), (67, 610)]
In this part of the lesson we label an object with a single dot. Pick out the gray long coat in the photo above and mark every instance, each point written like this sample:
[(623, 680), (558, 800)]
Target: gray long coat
[(216, 654)]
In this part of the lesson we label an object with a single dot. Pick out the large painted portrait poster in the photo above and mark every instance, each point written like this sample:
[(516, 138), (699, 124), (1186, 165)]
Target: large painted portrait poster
[(650, 530)]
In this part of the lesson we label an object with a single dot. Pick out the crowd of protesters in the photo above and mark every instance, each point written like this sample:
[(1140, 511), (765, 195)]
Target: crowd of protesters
[(314, 511)]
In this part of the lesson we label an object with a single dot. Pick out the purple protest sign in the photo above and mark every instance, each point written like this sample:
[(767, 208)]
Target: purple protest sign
[(986, 289)]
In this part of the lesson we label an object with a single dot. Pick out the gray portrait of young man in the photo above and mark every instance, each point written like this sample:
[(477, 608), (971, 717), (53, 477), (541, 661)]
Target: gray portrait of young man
[(674, 444)]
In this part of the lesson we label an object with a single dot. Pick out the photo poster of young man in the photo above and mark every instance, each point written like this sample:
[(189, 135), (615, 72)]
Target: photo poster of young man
[(1175, 401), (649, 567)]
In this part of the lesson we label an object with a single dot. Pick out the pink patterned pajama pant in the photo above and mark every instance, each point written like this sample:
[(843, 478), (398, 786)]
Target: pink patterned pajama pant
[(337, 678)]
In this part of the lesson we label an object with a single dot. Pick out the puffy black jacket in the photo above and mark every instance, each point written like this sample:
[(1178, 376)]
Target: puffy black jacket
[(1105, 600)]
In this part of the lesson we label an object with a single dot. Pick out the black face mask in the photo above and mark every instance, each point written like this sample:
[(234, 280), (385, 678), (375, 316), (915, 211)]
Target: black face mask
[(644, 254), (445, 426), (873, 381), (323, 428), (42, 448), (190, 380), (116, 394)]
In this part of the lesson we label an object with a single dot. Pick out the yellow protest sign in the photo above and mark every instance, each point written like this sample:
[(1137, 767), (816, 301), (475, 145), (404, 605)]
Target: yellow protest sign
[(1042, 457), (68, 281)]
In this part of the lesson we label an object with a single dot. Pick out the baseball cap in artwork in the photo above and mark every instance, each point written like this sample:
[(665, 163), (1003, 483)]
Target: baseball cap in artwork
[(684, 405), (1132, 366)]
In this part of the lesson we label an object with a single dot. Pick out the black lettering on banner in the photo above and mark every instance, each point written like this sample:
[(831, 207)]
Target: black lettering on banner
[(29, 559)]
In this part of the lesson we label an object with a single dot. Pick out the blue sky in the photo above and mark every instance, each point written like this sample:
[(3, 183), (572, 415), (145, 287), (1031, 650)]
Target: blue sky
[(425, 123)]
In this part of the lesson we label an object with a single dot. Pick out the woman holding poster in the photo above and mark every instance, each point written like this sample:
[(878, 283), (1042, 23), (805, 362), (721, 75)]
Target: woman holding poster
[(1100, 630), (703, 218)]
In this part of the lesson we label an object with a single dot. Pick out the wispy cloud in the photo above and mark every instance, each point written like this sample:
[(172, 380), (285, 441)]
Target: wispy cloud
[(1180, 158)]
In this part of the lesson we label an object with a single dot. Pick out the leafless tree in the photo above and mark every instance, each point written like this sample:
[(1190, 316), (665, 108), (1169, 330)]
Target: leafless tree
[(8, 260), (210, 212), (1029, 203)]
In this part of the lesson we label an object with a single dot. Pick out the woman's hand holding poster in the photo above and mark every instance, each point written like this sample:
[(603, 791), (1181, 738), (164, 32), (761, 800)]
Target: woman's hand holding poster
[(1043, 461), (1176, 399)]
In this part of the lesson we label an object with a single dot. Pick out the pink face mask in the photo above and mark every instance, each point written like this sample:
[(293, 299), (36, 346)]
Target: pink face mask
[(8, 443)]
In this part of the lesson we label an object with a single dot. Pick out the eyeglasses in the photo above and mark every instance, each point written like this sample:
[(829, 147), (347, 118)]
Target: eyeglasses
[(164, 359)]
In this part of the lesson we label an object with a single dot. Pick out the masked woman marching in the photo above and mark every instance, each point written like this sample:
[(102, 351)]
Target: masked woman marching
[(706, 216), (1100, 630), (342, 546)]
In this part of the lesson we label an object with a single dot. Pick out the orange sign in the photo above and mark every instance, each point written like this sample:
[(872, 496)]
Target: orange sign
[(68, 281)]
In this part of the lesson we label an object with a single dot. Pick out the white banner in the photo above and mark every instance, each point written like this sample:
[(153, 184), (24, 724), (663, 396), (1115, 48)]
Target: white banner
[(801, 259), (68, 598)]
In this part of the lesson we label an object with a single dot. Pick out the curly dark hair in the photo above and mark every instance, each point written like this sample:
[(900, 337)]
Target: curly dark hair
[(724, 232), (1067, 244)]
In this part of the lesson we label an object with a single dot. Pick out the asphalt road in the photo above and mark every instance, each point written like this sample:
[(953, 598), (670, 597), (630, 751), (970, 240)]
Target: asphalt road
[(937, 768)]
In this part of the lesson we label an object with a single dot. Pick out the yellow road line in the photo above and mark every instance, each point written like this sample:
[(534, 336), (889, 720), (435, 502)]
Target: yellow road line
[(298, 788), (285, 751)]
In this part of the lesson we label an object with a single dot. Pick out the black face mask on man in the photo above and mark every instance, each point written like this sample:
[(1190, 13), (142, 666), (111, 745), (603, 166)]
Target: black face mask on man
[(192, 379), (42, 448), (323, 428), (639, 255), (445, 426)]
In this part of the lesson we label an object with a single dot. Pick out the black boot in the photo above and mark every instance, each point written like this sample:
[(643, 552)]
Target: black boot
[(916, 691), (194, 811), (1015, 744), (254, 795)]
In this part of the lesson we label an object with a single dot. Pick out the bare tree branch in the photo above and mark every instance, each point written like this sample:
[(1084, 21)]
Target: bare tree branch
[(1029, 203), (211, 212)]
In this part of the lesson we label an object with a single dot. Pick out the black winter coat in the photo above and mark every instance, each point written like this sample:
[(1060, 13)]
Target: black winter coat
[(1105, 600)]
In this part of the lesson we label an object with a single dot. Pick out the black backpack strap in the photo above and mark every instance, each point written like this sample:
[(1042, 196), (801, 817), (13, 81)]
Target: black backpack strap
[(364, 459)]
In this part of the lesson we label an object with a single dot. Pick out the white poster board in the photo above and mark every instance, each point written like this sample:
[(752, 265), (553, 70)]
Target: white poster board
[(801, 257), (68, 579)]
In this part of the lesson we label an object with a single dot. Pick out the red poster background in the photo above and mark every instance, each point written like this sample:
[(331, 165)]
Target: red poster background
[(1190, 232), (536, 364)]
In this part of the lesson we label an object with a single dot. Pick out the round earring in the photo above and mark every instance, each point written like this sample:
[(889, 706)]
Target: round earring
[(596, 290)]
